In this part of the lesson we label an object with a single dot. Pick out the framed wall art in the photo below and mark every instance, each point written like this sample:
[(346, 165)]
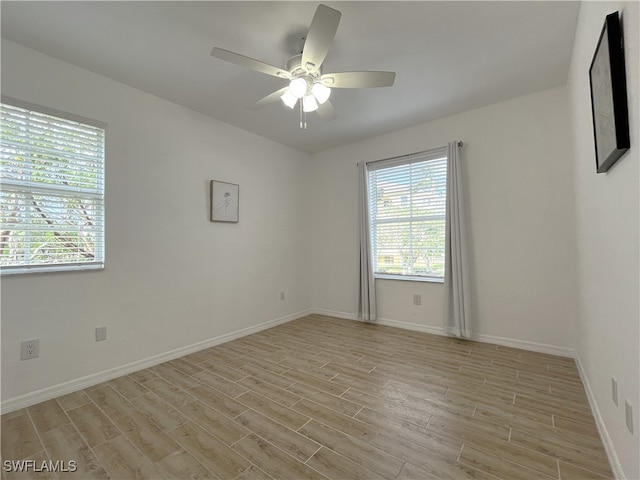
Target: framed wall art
[(609, 96), (224, 202)]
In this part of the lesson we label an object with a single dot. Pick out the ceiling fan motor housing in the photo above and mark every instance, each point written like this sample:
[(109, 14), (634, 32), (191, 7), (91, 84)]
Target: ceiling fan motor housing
[(294, 66)]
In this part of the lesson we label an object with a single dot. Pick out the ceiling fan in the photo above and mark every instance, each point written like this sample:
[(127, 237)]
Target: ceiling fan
[(308, 86)]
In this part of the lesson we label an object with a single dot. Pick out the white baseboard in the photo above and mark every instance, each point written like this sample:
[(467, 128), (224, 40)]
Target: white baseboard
[(616, 466), (506, 342), (526, 345), (333, 313), (54, 391)]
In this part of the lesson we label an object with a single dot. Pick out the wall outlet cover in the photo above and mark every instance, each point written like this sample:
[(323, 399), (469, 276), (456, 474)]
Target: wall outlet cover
[(628, 410), (417, 299), (614, 390), (101, 334), (29, 349)]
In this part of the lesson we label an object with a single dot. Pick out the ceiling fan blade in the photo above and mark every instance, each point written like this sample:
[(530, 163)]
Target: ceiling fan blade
[(271, 98), (249, 62), (326, 111), (358, 79), (319, 38)]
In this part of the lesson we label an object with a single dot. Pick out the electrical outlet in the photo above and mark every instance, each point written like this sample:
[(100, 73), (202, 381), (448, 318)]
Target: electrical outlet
[(614, 390), (29, 349), (417, 299), (101, 334), (281, 295), (628, 410)]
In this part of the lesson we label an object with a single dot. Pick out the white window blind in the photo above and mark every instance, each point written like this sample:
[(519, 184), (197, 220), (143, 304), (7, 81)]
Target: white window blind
[(407, 200), (51, 192)]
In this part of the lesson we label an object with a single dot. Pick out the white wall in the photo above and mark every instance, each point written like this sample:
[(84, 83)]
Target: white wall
[(172, 278), (608, 234), (519, 174)]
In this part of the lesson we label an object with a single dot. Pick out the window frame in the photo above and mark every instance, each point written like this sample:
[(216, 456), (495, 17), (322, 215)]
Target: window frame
[(99, 261), (418, 157)]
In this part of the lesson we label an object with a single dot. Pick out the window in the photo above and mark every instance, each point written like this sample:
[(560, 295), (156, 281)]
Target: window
[(407, 199), (51, 192)]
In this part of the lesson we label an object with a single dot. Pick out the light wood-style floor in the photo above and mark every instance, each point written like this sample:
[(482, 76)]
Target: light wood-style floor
[(322, 398)]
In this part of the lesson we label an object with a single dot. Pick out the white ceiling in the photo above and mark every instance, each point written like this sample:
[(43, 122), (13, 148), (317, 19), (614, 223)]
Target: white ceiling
[(449, 56)]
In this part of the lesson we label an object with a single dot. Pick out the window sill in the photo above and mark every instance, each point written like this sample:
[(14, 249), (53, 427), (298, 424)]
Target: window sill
[(408, 278), (6, 271)]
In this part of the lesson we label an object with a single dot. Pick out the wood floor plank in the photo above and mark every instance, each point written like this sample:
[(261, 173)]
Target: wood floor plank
[(223, 370), (287, 440), (73, 400), (93, 425), (19, 439), (284, 415), (442, 470), (461, 427), (221, 384), (355, 450), (315, 381), (418, 446), (172, 394), (47, 416), (65, 443), (338, 404), (210, 451), (337, 467), (217, 400), (142, 376), (495, 465), (147, 436), (14, 414), (215, 422), (274, 461), (123, 461), (349, 425), (184, 366), (31, 473), (263, 374), (573, 472), (254, 473), (566, 451), (268, 390), (174, 376), (127, 387), (111, 402), (184, 465), (158, 411)]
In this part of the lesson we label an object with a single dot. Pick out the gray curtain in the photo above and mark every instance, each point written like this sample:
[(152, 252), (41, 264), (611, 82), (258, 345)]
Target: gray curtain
[(366, 286), (457, 320)]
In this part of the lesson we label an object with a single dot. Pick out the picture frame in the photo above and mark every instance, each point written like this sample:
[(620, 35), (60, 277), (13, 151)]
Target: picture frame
[(608, 85), (224, 202)]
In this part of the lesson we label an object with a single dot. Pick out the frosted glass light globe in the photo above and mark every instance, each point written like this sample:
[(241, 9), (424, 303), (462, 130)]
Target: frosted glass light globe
[(321, 92), (309, 104), (298, 87), (288, 99)]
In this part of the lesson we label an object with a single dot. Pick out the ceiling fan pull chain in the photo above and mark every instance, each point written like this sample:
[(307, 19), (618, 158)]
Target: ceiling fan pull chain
[(303, 117)]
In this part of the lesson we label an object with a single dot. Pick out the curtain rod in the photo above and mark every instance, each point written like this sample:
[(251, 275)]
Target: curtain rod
[(460, 145)]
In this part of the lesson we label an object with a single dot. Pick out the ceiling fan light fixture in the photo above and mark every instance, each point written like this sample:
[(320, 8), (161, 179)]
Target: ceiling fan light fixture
[(321, 92), (298, 87), (309, 104), (288, 99)]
